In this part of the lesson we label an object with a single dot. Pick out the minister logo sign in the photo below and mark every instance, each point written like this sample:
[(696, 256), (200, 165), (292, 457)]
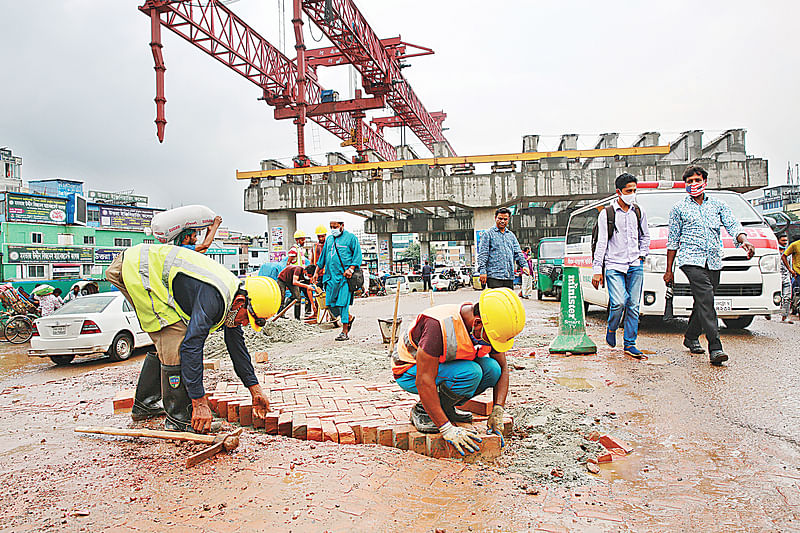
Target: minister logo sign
[(36, 209)]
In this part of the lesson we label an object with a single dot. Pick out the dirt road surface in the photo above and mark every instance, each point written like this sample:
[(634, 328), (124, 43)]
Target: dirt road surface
[(715, 449)]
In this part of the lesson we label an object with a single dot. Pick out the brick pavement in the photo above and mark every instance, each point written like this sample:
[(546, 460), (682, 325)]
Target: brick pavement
[(323, 407)]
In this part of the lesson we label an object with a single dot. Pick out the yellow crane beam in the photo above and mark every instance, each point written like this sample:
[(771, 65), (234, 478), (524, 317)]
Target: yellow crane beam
[(460, 160)]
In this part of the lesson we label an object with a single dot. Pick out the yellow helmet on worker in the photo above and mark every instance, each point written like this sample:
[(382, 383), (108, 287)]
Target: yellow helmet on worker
[(299, 234), (503, 317), (321, 230), (264, 297)]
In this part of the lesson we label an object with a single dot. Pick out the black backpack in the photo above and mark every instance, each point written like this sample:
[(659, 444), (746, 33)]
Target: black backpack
[(610, 217)]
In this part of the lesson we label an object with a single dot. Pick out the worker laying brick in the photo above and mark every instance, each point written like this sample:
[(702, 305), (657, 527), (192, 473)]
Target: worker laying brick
[(180, 296), (452, 353)]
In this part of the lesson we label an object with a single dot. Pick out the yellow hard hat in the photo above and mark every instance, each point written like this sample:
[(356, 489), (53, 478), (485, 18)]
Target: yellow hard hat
[(503, 317), (265, 298), (299, 234), (321, 230)]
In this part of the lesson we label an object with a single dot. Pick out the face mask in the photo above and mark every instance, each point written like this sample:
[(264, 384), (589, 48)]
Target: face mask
[(696, 189), (628, 198), (336, 232)]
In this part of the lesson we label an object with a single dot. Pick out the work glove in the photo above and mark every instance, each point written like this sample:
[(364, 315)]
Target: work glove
[(494, 424), (461, 439)]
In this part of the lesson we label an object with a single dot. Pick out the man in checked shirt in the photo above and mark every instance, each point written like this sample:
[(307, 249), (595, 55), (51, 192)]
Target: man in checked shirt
[(694, 238)]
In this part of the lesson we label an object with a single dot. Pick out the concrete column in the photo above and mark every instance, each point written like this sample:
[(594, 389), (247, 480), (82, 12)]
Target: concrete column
[(385, 252), (424, 248), (405, 152), (281, 226), (441, 149), (482, 219)]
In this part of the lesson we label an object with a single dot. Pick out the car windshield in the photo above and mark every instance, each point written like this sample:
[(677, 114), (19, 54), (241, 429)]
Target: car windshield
[(657, 205), (551, 250), (95, 303), (393, 280)]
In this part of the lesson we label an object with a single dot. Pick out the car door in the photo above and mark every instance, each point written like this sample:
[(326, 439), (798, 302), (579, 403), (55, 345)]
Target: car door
[(141, 338)]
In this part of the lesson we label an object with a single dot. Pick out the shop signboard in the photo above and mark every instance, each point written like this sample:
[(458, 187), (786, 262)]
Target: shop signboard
[(120, 197), (50, 254), (277, 238), (119, 217), (105, 255), (35, 209)]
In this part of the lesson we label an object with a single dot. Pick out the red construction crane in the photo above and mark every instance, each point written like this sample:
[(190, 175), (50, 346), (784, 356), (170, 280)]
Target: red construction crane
[(292, 86)]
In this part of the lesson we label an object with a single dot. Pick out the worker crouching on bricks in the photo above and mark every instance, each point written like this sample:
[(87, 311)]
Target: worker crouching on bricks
[(452, 353), (181, 296)]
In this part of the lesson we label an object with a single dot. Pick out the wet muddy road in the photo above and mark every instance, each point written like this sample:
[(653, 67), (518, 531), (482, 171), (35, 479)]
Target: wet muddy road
[(716, 449)]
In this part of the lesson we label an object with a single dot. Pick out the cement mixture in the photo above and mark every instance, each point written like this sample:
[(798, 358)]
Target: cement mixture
[(549, 445), (282, 331)]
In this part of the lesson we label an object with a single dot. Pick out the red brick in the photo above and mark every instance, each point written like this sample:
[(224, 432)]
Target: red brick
[(490, 449), (604, 458), (346, 435), (299, 426), (222, 386), (261, 357), (385, 436), (417, 442), (314, 429), (593, 436), (285, 424), (400, 440), (271, 423), (356, 427), (438, 448), (123, 401), (246, 413), (479, 406), (233, 411), (222, 406), (342, 405), (369, 434), (609, 443), (315, 401), (329, 432), (233, 387), (213, 364), (258, 422)]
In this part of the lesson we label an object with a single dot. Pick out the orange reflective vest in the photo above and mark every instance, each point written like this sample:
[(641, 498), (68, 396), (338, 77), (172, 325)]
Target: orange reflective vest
[(456, 340)]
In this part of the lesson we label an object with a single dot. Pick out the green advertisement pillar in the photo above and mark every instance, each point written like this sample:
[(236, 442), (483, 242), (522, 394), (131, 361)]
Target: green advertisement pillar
[(572, 337)]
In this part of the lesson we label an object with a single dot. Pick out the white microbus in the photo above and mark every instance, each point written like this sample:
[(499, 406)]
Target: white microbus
[(747, 288)]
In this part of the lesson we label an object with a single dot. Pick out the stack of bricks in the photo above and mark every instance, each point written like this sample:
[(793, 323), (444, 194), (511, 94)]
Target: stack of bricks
[(321, 407)]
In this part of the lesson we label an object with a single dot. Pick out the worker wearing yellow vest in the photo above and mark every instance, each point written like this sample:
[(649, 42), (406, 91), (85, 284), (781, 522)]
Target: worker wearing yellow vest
[(180, 296), (297, 253), (452, 353)]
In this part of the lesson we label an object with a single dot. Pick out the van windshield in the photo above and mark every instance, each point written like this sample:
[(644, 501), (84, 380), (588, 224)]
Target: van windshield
[(657, 206)]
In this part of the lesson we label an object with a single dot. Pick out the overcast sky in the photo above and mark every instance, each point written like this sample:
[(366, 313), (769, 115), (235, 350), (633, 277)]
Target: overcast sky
[(77, 86)]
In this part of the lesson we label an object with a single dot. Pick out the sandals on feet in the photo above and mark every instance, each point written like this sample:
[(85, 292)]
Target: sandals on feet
[(342, 337)]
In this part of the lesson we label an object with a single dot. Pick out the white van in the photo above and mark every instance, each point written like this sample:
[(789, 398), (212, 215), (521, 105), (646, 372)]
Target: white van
[(405, 282), (748, 287)]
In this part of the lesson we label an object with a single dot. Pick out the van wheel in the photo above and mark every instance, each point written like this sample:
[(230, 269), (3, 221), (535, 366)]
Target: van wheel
[(539, 294), (121, 347), (62, 360), (738, 323)]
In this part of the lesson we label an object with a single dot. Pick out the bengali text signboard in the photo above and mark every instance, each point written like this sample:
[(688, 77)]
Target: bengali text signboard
[(50, 254), (105, 255), (35, 209), (125, 217)]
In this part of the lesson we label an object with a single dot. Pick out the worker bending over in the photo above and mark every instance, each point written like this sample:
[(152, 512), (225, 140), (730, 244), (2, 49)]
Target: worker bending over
[(452, 353), (188, 237), (294, 278), (181, 296)]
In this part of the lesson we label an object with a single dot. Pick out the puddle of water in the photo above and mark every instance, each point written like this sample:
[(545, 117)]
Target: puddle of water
[(575, 383)]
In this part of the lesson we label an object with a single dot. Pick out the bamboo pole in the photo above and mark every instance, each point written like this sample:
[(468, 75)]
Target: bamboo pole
[(394, 320)]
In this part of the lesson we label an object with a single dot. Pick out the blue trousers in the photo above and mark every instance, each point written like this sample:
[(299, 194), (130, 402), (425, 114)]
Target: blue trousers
[(465, 378), (624, 294)]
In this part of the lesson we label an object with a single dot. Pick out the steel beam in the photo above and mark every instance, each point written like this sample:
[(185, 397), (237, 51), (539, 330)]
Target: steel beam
[(326, 108)]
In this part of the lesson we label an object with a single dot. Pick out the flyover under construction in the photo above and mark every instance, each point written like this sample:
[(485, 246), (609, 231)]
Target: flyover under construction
[(449, 198)]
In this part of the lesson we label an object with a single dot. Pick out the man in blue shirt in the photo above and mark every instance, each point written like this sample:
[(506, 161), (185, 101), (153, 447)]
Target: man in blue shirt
[(694, 238), (498, 251), (188, 237), (341, 256)]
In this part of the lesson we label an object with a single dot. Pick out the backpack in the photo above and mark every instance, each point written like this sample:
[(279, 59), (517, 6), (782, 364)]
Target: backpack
[(610, 218)]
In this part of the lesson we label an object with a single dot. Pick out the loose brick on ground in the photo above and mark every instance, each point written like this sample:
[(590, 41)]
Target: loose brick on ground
[(123, 401)]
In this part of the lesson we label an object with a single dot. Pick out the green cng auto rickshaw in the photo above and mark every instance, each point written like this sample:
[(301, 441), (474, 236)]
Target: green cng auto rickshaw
[(549, 267)]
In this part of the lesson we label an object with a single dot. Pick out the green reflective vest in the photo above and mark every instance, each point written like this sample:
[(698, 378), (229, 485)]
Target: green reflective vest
[(148, 271)]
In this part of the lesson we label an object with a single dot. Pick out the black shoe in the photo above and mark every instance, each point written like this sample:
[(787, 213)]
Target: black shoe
[(421, 420), (176, 399), (448, 399), (718, 357), (694, 346), (147, 402)]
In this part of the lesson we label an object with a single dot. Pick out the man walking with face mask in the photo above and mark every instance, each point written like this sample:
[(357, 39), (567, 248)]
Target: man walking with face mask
[(695, 241), (623, 242)]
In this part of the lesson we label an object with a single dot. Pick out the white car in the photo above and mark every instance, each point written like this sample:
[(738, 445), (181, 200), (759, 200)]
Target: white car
[(102, 323), (407, 283), (441, 283)]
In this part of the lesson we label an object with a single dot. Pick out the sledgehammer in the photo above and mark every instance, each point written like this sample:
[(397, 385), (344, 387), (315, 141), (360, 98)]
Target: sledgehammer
[(228, 441)]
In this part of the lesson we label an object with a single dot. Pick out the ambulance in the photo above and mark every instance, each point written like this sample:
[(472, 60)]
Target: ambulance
[(747, 288)]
